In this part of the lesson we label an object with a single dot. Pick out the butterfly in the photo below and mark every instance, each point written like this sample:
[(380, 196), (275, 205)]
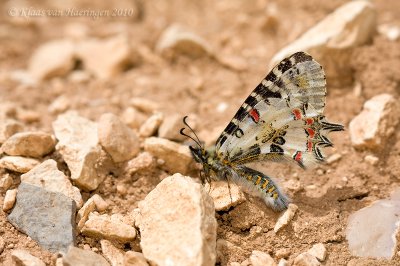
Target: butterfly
[(281, 120)]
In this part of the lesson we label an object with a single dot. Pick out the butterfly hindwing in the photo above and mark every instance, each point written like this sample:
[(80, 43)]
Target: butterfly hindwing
[(280, 119)]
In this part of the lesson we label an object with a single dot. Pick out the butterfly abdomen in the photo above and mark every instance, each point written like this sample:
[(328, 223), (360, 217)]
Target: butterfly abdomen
[(262, 186)]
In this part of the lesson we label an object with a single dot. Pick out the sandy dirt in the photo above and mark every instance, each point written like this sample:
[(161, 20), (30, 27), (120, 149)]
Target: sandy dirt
[(327, 195)]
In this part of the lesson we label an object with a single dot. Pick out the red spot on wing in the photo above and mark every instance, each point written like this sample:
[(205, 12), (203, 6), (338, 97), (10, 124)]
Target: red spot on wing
[(309, 121), (297, 114), (310, 132), (255, 115), (297, 156), (309, 145)]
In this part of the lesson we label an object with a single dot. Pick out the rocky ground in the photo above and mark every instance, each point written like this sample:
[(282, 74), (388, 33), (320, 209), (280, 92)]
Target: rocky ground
[(93, 170)]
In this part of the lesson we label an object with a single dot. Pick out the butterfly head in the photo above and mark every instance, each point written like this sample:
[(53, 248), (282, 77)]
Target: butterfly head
[(199, 153)]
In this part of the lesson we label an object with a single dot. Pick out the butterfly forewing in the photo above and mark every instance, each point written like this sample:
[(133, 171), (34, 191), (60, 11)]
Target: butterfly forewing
[(280, 118)]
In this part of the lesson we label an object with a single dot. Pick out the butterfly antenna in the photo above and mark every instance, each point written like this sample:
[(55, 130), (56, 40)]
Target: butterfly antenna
[(197, 140)]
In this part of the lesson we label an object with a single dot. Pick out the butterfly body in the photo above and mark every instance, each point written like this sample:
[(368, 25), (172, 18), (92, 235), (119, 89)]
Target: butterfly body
[(281, 120)]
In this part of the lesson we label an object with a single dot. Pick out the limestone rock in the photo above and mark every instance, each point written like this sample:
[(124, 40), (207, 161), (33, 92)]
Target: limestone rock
[(18, 164), (6, 182), (225, 197), (133, 118), (144, 105), (170, 128), (306, 259), (177, 157), (391, 32), (9, 199), (371, 231), (79, 146), (133, 258), (151, 125), (376, 123), (332, 39), (176, 41), (106, 58), (101, 226), (8, 127), (371, 159), (24, 258), (286, 217), (318, 251), (101, 204), (283, 262), (114, 255), (83, 213), (117, 139), (142, 162), (79, 257), (60, 104), (259, 258), (47, 217), (47, 176), (178, 225), (52, 59), (30, 144)]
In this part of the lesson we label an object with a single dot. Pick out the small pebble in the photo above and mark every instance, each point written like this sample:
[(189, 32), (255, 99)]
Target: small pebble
[(9, 199), (286, 217)]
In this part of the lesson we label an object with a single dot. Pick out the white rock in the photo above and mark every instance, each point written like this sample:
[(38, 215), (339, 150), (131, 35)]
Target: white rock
[(117, 139), (60, 104), (114, 255), (101, 204), (170, 128), (106, 58), (47, 176), (133, 118), (318, 251), (225, 197), (178, 225), (80, 257), (283, 262), (371, 231), (18, 164), (52, 59), (79, 146), (259, 258), (8, 127), (286, 217), (133, 258), (176, 40), (306, 259), (144, 161), (151, 125), (6, 182), (30, 144), (333, 158), (376, 123), (144, 105), (101, 226), (177, 157), (391, 32), (83, 213), (332, 39), (371, 159), (9, 199), (24, 258)]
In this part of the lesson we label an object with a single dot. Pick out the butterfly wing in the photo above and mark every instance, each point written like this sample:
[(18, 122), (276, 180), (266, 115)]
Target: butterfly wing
[(282, 118)]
